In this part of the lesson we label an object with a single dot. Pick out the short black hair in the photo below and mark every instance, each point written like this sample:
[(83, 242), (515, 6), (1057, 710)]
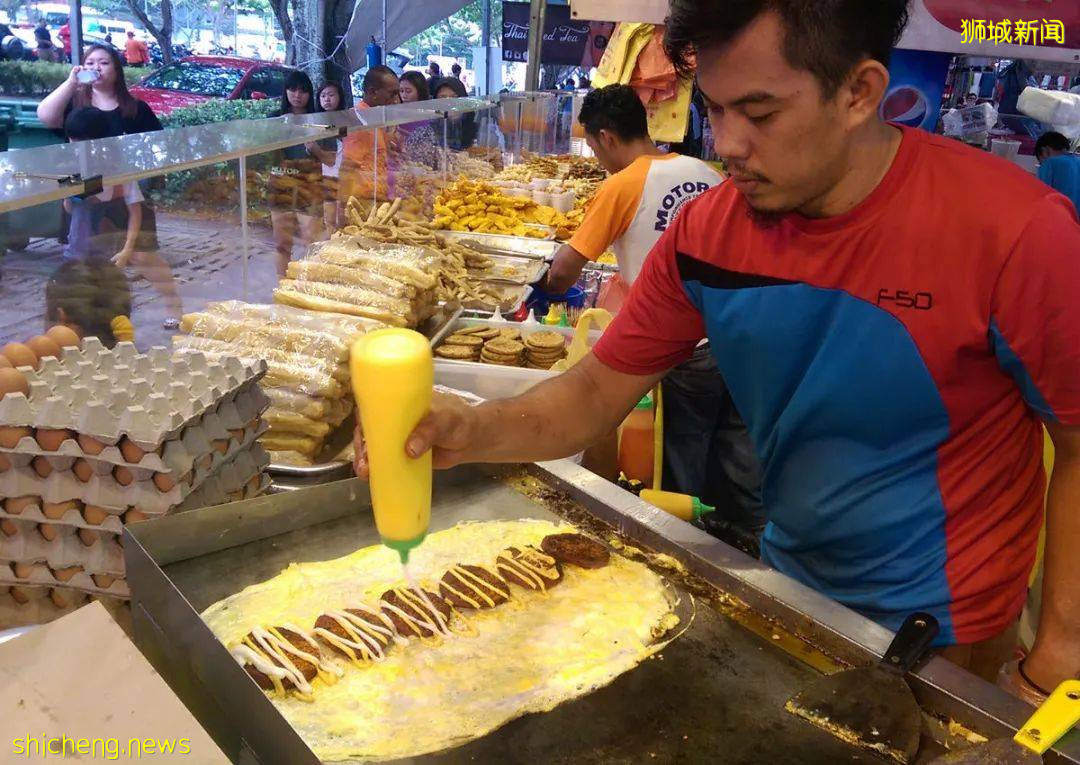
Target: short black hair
[(85, 123), (375, 74), (419, 82), (297, 80), (824, 37), (456, 69), (434, 67), (1051, 140), (453, 83), (616, 108)]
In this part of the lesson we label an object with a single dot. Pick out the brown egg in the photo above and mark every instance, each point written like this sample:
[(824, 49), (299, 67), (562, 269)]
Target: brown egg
[(5, 463), (63, 336), (60, 598), (130, 451), (23, 570), (104, 581), (237, 433), (134, 516), (83, 470), (94, 514), (90, 445), (48, 530), (11, 435), (54, 511), (50, 439), (9, 528), (19, 355), (12, 381), (164, 482), (20, 595), (221, 444), (65, 574), (123, 475), (15, 505), (42, 466), (206, 461), (4, 363), (88, 537), (43, 347)]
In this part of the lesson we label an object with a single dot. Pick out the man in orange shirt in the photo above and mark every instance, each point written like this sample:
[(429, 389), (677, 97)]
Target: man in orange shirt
[(135, 51), (365, 151)]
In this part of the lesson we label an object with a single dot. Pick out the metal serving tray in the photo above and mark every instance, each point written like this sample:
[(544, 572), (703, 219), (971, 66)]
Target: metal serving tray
[(518, 246), (526, 270), (715, 694)]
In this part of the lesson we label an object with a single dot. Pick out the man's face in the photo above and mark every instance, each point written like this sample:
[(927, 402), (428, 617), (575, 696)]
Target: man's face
[(603, 147), (783, 143), (386, 92)]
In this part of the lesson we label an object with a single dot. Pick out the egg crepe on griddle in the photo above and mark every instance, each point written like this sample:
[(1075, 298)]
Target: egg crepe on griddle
[(526, 655)]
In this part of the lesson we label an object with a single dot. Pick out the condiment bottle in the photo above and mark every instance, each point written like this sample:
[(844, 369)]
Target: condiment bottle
[(392, 377), (636, 442), (680, 505)]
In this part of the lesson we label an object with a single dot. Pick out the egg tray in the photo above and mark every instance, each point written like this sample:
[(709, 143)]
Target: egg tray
[(103, 556), (39, 607), (111, 393), (105, 491), (207, 443), (42, 575)]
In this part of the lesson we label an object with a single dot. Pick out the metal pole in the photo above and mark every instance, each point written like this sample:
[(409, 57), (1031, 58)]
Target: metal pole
[(244, 246), (537, 14), (75, 27), (485, 27), (384, 43)]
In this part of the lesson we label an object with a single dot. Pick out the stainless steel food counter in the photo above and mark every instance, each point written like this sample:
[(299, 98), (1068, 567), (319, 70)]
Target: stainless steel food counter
[(716, 694)]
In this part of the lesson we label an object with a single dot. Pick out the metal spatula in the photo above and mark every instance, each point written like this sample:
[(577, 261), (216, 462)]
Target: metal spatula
[(1056, 717), (873, 707)]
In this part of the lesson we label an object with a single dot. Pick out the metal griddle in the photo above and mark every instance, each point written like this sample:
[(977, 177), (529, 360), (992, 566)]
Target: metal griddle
[(714, 695)]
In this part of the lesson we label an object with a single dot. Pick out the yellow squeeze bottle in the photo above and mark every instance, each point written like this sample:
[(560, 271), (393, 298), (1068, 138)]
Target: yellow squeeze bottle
[(392, 378), (680, 505)]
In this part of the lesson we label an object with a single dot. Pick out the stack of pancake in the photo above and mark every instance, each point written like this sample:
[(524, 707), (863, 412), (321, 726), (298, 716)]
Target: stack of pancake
[(543, 349)]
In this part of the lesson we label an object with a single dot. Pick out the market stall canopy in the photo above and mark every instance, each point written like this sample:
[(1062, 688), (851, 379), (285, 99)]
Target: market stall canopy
[(403, 20)]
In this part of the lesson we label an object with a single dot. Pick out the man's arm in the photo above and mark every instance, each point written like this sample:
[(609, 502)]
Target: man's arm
[(527, 428), (1056, 653), (565, 270)]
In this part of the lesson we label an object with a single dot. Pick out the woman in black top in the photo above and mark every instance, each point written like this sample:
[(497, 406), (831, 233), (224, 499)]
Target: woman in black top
[(126, 114), (296, 180), (462, 129)]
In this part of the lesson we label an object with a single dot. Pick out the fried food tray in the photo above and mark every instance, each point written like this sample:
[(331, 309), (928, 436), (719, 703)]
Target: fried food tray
[(715, 694)]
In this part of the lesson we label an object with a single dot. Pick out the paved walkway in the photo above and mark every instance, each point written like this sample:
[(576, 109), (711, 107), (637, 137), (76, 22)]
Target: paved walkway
[(204, 256)]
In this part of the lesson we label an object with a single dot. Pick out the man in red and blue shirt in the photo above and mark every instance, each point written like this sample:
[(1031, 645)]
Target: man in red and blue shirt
[(893, 334)]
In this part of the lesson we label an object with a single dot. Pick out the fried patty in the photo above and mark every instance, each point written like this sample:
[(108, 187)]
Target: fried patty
[(415, 608), (330, 624), (488, 592), (512, 560), (307, 669), (576, 549)]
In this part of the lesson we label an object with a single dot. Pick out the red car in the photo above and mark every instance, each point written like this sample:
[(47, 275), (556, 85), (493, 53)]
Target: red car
[(195, 79)]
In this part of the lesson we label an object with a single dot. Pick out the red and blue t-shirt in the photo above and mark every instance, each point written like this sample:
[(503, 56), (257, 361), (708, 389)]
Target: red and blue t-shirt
[(892, 365)]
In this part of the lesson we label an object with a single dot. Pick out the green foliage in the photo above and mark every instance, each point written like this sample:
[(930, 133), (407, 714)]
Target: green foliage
[(221, 111), (456, 36), (28, 79)]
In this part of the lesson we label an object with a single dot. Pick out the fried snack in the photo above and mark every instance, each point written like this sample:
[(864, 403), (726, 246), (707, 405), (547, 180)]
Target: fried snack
[(510, 334), (282, 658), (458, 352), (469, 341), (312, 407), (529, 567), (415, 612), (285, 441), (279, 420), (292, 293), (488, 333), (361, 633), (545, 340), (473, 587), (300, 377), (576, 549), (504, 347), (470, 330), (314, 271)]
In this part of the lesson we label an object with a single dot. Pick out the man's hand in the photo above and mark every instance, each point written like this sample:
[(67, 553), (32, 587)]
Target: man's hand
[(1011, 681), (448, 429)]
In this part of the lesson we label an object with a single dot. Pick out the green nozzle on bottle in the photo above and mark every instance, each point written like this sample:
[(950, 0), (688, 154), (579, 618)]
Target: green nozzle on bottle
[(403, 546), (700, 508)]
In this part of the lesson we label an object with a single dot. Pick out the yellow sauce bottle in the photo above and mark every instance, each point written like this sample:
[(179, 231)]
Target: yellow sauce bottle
[(680, 505), (392, 378)]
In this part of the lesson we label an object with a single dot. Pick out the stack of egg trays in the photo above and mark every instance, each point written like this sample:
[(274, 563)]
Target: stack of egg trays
[(194, 422)]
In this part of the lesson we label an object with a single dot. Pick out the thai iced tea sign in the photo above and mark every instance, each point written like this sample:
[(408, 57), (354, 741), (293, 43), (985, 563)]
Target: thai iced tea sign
[(565, 39)]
